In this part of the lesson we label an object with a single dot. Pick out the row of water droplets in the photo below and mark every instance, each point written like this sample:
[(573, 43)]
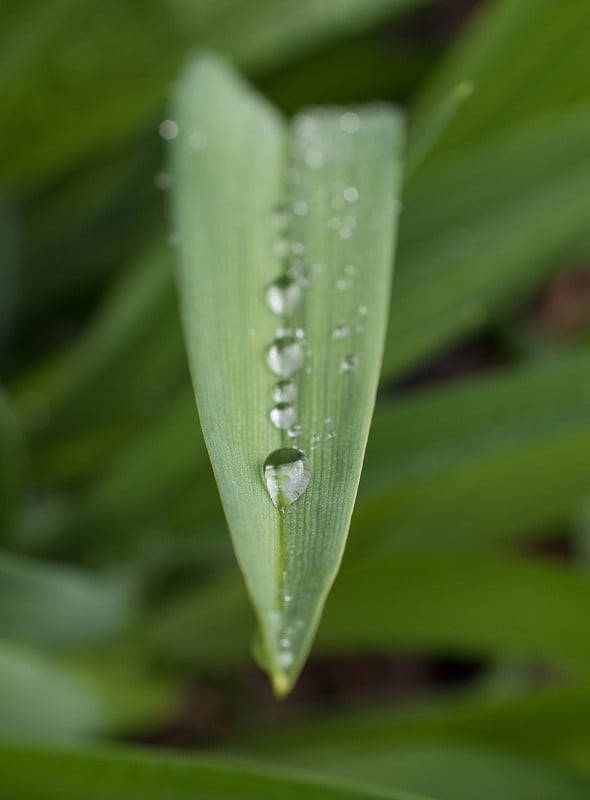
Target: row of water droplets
[(287, 471)]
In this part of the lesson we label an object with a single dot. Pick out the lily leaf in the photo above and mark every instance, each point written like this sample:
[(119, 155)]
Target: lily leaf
[(284, 318)]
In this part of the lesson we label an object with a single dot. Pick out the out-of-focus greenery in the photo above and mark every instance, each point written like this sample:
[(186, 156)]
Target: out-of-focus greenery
[(121, 608)]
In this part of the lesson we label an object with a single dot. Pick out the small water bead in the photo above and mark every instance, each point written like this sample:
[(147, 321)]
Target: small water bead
[(294, 431), (284, 392), (300, 334), (282, 416), (341, 331), (283, 295), (315, 439), (300, 208), (350, 363), (345, 233), (168, 129), (350, 122), (287, 598), (163, 181), (197, 140), (285, 642), (363, 311), (285, 356), (328, 421), (331, 435), (342, 284), (351, 194), (314, 159)]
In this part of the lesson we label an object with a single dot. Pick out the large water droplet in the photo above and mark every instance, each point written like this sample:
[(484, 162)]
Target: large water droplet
[(283, 416), (284, 392), (283, 295), (168, 129), (285, 356), (286, 475)]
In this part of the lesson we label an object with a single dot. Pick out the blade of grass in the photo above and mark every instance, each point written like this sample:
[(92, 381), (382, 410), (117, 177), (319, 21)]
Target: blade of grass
[(42, 698), (59, 606), (109, 774), (12, 467), (224, 200)]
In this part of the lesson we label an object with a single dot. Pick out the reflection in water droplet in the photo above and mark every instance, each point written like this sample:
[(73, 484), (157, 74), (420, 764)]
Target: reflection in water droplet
[(282, 416), (286, 474), (283, 295), (285, 357), (294, 431), (284, 392), (168, 129), (350, 363), (351, 194)]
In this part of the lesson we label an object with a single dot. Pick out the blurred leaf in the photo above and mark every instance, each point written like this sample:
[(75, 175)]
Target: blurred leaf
[(12, 467), (460, 605), (527, 59), (9, 269), (112, 774), (449, 770), (59, 606), (484, 227), (41, 698), (463, 467), (289, 557), (262, 35)]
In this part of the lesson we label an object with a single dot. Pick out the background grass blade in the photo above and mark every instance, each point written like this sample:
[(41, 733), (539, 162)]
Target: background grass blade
[(343, 160), (59, 606), (42, 774)]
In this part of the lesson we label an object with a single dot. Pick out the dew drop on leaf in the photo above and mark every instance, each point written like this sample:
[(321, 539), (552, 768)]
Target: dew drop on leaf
[(283, 295), (285, 356), (286, 475), (282, 416), (284, 392)]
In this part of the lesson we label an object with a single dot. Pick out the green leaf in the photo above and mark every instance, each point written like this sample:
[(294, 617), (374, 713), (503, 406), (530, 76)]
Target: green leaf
[(44, 698), (112, 774), (224, 195), (12, 467), (484, 226), (59, 606), (464, 467)]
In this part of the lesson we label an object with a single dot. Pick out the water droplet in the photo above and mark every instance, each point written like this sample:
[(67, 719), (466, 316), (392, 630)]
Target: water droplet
[(300, 334), (341, 331), (345, 233), (163, 181), (285, 356), (331, 435), (363, 311), (285, 659), (286, 475), (284, 392), (328, 421), (300, 208), (168, 129), (283, 295), (350, 363), (281, 248), (314, 159), (350, 122), (342, 284), (197, 140), (294, 431), (351, 194), (316, 439), (287, 598), (282, 416), (285, 642)]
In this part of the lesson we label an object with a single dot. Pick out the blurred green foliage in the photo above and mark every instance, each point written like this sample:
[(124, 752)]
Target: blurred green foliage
[(121, 608)]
